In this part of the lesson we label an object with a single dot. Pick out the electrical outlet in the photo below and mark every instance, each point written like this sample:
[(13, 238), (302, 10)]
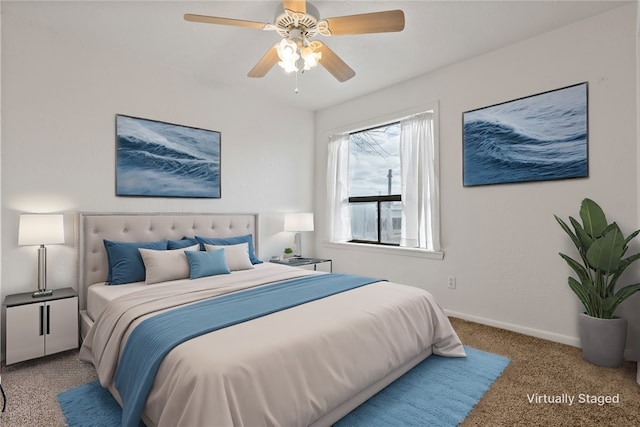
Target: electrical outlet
[(451, 282)]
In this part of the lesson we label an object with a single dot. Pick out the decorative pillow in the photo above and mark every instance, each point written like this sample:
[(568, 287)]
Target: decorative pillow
[(202, 264), (162, 266), (237, 256), (125, 262), (224, 241), (182, 243)]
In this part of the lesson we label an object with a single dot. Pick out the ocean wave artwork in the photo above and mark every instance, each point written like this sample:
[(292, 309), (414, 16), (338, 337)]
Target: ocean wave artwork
[(166, 160), (538, 138)]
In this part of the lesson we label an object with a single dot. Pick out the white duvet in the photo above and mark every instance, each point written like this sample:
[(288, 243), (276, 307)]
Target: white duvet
[(286, 369)]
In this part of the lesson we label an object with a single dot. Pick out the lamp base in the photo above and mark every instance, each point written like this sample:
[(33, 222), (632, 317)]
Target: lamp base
[(42, 293), (297, 242)]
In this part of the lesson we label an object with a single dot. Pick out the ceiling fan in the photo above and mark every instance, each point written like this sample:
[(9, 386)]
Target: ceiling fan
[(298, 27)]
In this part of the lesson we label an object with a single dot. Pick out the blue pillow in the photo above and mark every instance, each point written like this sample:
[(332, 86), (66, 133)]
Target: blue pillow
[(223, 241), (185, 242), (125, 261), (203, 264)]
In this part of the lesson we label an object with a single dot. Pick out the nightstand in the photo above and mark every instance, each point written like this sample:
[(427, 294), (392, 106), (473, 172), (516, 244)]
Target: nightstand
[(41, 326), (316, 263)]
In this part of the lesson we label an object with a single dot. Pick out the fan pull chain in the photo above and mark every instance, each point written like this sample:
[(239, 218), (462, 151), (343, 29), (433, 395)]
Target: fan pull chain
[(296, 90)]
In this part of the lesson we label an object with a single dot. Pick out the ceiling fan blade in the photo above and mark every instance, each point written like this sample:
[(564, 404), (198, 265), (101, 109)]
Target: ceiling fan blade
[(223, 21), (333, 64), (299, 6), (265, 63), (376, 22)]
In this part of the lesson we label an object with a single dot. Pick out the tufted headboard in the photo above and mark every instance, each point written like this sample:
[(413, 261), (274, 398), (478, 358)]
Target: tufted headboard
[(147, 227)]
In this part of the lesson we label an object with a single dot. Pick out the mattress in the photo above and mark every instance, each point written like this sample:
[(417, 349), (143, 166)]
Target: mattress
[(292, 367), (101, 294)]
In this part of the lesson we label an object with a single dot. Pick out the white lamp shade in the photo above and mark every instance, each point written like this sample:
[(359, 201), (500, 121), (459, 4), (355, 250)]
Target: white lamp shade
[(298, 222), (41, 229)]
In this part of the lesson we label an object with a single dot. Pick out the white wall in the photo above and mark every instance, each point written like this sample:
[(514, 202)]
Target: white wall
[(59, 102), (502, 242)]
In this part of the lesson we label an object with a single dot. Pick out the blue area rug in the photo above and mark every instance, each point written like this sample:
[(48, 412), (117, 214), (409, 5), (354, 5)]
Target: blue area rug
[(441, 391)]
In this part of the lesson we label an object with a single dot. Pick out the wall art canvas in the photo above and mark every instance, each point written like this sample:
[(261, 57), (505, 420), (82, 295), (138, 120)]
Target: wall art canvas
[(537, 138), (166, 160)]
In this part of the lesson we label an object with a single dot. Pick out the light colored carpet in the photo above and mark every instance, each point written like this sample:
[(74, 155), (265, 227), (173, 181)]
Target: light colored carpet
[(544, 367), (537, 366), (32, 386)]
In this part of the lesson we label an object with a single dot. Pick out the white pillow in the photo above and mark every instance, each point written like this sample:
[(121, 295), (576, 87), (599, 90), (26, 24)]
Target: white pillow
[(162, 266), (237, 256)]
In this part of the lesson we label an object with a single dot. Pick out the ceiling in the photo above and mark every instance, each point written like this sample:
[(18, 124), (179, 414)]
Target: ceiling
[(436, 34)]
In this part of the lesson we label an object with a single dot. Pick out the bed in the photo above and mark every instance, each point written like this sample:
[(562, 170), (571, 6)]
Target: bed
[(303, 362)]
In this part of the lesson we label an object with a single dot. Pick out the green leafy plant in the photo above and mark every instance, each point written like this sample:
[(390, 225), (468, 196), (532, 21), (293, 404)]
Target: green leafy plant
[(602, 248), (288, 250)]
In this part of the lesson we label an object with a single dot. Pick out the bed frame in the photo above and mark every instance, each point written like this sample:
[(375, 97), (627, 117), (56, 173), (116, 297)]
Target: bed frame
[(139, 227), (94, 227)]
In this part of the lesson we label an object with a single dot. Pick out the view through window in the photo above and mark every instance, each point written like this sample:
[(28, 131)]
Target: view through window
[(374, 185)]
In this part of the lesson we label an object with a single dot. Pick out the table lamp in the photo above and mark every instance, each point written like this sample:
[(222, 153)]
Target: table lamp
[(41, 229), (298, 222)]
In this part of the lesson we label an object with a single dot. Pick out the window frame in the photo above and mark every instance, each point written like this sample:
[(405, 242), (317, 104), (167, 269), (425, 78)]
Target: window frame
[(378, 200), (382, 120)]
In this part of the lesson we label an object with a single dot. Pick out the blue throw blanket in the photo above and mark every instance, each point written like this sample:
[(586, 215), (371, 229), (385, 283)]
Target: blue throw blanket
[(150, 342)]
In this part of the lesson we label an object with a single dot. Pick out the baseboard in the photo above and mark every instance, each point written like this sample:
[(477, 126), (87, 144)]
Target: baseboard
[(550, 336)]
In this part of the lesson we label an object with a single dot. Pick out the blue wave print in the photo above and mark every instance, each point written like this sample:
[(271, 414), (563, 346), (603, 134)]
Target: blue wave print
[(160, 159), (533, 139)]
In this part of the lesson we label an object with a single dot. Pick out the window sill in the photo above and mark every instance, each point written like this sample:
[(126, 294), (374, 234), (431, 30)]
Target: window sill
[(388, 250)]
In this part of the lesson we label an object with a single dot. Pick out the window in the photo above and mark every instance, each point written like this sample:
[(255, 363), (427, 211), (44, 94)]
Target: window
[(382, 184), (375, 210)]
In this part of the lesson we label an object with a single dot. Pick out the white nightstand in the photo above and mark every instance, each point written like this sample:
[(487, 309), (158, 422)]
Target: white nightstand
[(41, 326), (317, 264)]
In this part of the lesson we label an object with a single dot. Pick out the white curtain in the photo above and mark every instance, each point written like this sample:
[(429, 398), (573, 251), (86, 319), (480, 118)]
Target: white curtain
[(338, 188), (419, 190)]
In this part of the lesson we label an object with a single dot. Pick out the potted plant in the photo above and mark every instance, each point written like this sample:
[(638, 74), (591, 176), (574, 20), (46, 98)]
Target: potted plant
[(602, 248), (288, 253)]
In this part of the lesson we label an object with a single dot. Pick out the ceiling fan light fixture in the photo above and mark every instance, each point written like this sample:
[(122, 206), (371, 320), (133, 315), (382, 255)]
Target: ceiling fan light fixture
[(298, 25), (288, 54), (310, 56)]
